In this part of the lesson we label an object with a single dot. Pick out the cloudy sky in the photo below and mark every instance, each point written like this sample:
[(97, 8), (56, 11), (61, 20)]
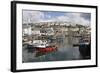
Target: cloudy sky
[(47, 16)]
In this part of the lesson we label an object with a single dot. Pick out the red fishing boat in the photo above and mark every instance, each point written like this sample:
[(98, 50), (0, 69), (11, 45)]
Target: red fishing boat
[(44, 51), (43, 47), (47, 49)]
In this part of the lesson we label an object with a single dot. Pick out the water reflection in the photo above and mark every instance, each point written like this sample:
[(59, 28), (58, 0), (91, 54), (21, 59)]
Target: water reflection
[(65, 51)]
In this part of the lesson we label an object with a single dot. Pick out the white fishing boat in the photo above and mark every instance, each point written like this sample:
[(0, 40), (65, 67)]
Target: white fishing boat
[(40, 43)]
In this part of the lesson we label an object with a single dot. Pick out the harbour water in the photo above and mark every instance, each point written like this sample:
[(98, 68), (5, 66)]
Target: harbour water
[(65, 51)]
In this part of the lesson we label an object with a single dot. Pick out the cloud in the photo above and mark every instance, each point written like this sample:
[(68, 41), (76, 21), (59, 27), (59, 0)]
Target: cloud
[(77, 18), (32, 16), (44, 16), (86, 16), (63, 18)]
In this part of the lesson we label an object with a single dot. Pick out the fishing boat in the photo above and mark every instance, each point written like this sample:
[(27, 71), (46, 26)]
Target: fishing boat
[(47, 49), (84, 49), (44, 46)]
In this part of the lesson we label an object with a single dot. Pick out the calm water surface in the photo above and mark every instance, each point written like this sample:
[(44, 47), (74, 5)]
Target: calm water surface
[(66, 51)]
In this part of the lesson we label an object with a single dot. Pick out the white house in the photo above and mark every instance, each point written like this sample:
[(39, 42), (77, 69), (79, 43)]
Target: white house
[(27, 31)]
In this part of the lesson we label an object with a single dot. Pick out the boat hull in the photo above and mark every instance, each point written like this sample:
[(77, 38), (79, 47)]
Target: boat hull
[(46, 50)]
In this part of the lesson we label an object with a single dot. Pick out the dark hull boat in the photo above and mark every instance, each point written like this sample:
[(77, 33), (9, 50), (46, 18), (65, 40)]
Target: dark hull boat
[(84, 49)]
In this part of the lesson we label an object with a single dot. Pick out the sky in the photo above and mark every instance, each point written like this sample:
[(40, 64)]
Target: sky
[(31, 16)]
